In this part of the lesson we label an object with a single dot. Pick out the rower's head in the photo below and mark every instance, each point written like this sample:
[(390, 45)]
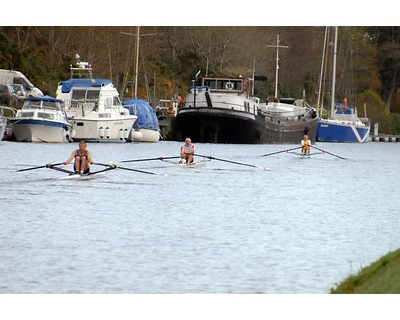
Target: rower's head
[(305, 137), (82, 145), (188, 141)]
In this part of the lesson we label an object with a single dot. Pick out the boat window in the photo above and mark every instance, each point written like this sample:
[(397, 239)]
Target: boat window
[(92, 94), (116, 101), (223, 84), (27, 114), (45, 115), (78, 94), (104, 115), (108, 102), (32, 104), (50, 105)]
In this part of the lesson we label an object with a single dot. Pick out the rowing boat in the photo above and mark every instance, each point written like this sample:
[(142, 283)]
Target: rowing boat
[(85, 176), (191, 165), (187, 165)]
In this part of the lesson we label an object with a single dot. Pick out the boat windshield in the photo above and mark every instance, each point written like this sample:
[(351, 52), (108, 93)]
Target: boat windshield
[(40, 104)]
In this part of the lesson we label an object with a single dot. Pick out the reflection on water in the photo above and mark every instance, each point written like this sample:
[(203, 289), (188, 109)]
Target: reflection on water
[(220, 228)]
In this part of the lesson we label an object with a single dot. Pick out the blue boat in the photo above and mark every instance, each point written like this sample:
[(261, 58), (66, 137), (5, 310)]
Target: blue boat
[(146, 127), (343, 126)]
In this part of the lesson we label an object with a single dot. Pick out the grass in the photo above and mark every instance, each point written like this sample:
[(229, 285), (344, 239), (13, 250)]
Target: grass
[(382, 276)]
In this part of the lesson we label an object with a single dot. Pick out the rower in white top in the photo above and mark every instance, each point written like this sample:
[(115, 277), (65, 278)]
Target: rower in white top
[(187, 152)]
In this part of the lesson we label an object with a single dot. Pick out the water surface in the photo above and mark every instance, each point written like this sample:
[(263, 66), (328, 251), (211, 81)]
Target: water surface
[(302, 227)]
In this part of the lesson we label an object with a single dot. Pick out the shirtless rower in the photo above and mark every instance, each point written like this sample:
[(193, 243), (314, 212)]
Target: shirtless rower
[(83, 158)]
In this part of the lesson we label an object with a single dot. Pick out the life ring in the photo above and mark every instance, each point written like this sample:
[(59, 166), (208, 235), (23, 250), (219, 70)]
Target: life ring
[(229, 85)]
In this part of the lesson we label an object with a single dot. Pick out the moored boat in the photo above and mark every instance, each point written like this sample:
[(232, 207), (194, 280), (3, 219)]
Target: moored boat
[(343, 126), (41, 119), (223, 110), (146, 127), (94, 108)]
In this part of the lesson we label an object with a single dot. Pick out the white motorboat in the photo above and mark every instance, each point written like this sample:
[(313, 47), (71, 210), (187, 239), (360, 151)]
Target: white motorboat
[(41, 119), (93, 107)]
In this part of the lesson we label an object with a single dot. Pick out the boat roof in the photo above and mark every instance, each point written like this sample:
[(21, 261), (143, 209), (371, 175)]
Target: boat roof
[(44, 98), (67, 85)]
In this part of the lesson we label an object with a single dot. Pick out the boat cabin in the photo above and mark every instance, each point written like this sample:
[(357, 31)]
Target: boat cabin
[(239, 85)]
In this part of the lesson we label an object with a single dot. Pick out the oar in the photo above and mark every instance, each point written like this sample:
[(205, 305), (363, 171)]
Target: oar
[(287, 150), (150, 159), (114, 166), (239, 163), (50, 165), (324, 151)]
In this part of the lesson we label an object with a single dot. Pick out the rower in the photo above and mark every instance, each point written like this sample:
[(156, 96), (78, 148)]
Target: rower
[(82, 158), (305, 145), (187, 152)]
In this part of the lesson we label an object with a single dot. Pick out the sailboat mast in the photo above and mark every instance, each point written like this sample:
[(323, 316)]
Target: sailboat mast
[(137, 60), (321, 74), (334, 72)]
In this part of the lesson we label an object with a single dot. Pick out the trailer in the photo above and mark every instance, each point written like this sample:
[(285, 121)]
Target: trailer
[(16, 77)]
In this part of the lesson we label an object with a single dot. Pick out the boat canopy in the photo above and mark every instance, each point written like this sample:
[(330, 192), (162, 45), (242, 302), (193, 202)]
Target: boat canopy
[(67, 85), (147, 118), (44, 98)]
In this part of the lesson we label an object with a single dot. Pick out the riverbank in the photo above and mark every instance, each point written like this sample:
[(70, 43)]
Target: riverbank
[(382, 276)]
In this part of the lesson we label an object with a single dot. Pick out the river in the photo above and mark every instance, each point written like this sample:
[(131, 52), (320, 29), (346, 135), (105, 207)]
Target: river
[(223, 228)]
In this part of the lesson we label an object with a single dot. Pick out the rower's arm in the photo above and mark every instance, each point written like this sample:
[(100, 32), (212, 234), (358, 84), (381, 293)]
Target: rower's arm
[(70, 158), (90, 158)]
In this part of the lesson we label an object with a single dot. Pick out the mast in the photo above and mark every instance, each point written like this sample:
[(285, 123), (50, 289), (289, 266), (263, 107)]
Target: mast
[(137, 55), (321, 74), (334, 72), (137, 59), (277, 46)]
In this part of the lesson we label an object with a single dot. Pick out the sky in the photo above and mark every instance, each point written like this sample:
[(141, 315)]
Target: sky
[(202, 13)]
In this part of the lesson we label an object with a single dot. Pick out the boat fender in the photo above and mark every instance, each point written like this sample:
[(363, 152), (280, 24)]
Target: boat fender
[(121, 134), (107, 132), (101, 132), (126, 133), (306, 129), (136, 135)]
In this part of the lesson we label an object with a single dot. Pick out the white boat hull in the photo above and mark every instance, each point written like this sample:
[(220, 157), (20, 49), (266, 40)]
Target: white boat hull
[(113, 130), (85, 176), (31, 130)]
